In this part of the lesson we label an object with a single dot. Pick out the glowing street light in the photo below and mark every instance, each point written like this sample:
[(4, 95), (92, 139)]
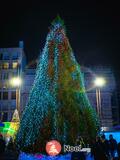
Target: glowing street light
[(16, 82), (99, 83)]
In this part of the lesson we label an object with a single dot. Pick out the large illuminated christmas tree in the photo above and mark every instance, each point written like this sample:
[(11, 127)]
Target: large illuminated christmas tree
[(58, 107)]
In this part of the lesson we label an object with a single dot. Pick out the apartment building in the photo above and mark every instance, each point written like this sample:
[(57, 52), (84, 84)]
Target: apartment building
[(12, 64)]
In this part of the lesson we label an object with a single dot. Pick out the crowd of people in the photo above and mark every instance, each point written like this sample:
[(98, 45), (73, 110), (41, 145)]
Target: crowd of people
[(103, 149)]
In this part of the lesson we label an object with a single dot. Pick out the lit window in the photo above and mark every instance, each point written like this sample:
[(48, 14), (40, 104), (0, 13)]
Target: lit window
[(5, 65), (14, 65)]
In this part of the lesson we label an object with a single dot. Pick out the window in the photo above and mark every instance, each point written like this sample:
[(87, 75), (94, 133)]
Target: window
[(1, 86), (14, 65), (5, 95), (0, 66), (6, 56), (14, 56), (5, 76), (114, 114), (5, 65), (1, 76), (5, 116), (1, 56), (114, 99), (14, 74), (1, 116), (13, 95)]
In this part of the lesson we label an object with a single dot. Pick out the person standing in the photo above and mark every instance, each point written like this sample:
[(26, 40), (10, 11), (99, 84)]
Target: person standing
[(112, 146), (105, 145), (97, 151), (118, 150), (2, 145)]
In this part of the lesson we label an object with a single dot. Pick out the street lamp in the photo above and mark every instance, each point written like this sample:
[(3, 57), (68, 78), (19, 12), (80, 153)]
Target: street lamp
[(99, 83), (16, 82)]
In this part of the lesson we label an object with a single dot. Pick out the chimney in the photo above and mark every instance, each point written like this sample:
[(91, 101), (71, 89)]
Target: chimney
[(21, 44)]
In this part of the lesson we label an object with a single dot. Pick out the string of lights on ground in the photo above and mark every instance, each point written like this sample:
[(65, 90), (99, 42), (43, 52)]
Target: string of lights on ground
[(24, 156)]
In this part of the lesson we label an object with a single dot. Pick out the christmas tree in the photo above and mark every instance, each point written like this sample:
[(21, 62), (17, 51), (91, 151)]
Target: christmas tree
[(58, 107), (15, 117)]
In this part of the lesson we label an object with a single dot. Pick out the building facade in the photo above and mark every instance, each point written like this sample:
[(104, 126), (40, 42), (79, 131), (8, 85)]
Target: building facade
[(109, 107), (28, 77), (12, 64)]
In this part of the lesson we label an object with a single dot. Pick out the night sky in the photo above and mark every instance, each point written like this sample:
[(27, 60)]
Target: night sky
[(93, 28)]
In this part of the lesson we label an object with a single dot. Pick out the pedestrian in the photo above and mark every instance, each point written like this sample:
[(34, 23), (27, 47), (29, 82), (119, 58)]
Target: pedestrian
[(118, 150), (97, 150), (105, 145), (10, 145), (112, 146), (2, 145), (11, 150), (78, 156)]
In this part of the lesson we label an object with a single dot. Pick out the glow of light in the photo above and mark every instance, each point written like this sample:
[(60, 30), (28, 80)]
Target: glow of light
[(9, 128), (99, 82), (16, 81)]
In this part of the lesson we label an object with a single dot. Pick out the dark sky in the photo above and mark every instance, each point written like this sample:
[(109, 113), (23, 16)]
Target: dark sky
[(93, 28)]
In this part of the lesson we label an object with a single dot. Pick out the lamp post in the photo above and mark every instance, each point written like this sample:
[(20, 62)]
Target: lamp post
[(99, 83), (16, 82)]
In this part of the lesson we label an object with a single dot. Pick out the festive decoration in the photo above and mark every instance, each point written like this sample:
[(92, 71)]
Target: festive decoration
[(9, 128), (14, 126), (24, 156), (2, 125), (15, 117), (58, 107)]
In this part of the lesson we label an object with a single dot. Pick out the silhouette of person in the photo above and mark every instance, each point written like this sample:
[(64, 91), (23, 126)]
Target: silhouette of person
[(105, 145), (118, 150), (97, 150), (2, 144), (112, 146)]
